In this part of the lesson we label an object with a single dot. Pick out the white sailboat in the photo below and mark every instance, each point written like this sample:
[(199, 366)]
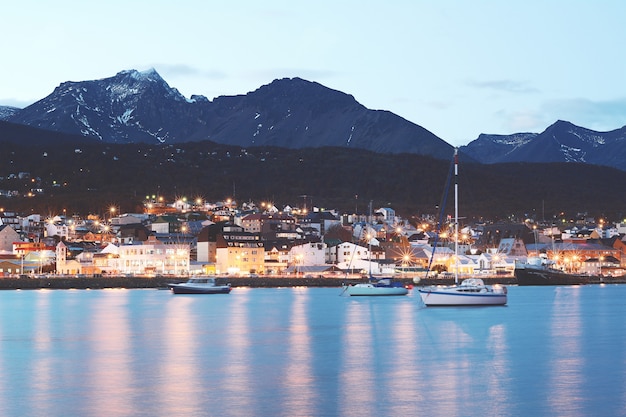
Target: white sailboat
[(471, 291), (374, 286)]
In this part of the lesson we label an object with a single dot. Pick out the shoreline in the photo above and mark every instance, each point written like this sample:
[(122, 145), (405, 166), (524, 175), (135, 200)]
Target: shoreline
[(84, 283)]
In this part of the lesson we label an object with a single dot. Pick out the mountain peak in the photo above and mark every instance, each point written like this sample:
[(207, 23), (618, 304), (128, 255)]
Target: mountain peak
[(147, 75)]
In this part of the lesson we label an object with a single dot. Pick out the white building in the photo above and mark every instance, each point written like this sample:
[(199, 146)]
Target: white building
[(154, 257), (57, 227), (308, 254)]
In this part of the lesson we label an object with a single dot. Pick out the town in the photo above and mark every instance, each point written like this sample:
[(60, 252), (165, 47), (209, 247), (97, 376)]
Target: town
[(195, 237)]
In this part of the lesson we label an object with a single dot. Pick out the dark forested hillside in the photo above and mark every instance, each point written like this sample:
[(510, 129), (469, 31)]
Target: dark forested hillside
[(87, 178)]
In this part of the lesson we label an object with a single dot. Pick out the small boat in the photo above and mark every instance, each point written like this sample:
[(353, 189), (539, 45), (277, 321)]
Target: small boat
[(374, 286), (380, 287), (540, 271), (204, 285), (471, 292)]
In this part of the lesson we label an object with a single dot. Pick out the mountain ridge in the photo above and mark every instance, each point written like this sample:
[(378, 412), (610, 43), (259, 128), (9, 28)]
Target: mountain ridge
[(560, 142), (137, 106), (293, 113)]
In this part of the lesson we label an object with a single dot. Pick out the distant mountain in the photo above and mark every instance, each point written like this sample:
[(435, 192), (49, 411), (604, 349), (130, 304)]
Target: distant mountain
[(7, 111), (25, 135), (140, 107), (292, 113), (561, 142)]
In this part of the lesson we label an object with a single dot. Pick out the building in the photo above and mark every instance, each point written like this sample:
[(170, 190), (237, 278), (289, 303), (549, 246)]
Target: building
[(154, 257), (270, 226), (7, 237), (239, 252), (312, 253)]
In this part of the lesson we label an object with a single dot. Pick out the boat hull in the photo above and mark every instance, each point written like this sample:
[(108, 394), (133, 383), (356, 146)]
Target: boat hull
[(183, 289), (362, 290), (452, 297), (544, 276)]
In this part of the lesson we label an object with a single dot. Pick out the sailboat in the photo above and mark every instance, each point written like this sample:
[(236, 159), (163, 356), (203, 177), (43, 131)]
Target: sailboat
[(471, 291), (374, 286)]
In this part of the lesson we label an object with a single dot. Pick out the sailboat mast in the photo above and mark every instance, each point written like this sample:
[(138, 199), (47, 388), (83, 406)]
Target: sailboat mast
[(369, 244), (456, 215)]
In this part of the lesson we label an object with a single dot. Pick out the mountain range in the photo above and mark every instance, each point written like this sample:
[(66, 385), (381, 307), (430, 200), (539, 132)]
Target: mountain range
[(118, 139), (140, 107)]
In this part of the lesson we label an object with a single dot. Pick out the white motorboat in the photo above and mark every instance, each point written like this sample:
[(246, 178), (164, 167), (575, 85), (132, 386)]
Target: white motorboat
[(383, 286), (471, 292), (204, 285)]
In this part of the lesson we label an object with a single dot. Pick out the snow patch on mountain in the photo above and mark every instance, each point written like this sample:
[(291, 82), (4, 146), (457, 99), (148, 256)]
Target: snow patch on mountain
[(571, 154), (7, 111)]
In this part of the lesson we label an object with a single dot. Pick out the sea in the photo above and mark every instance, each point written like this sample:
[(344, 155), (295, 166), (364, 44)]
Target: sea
[(552, 351)]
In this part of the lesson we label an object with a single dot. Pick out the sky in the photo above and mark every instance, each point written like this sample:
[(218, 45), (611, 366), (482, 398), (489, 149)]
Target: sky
[(458, 68)]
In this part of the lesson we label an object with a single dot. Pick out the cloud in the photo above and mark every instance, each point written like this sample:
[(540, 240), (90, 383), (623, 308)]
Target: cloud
[(13, 102), (601, 115), (521, 121), (308, 74), (509, 86), (179, 70)]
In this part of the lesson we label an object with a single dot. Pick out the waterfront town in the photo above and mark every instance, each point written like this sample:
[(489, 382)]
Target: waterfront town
[(186, 238)]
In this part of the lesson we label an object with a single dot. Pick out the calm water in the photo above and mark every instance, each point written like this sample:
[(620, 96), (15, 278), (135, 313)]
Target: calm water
[(553, 351)]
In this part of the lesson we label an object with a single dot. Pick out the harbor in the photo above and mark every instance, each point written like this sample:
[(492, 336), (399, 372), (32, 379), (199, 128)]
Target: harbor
[(73, 282)]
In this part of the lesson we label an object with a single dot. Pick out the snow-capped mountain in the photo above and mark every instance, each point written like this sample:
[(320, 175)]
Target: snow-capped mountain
[(561, 142), (134, 107), (7, 111), (137, 106), (129, 107)]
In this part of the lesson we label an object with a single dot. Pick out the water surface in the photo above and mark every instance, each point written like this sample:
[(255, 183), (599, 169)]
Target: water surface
[(553, 351)]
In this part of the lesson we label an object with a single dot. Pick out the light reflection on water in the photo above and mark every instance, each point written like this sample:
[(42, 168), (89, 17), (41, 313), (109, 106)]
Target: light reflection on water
[(553, 351), (566, 350)]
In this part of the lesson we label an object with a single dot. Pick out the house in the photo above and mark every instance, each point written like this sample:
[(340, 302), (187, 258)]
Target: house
[(321, 221), (351, 257), (604, 266), (7, 236), (10, 266), (312, 253), (107, 260), (165, 224), (129, 218), (239, 252), (57, 227), (388, 215), (512, 247), (270, 226), (154, 257), (277, 255), (133, 232), (495, 262), (206, 243)]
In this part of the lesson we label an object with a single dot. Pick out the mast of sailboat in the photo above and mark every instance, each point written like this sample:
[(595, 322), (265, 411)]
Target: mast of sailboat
[(456, 215), (369, 242)]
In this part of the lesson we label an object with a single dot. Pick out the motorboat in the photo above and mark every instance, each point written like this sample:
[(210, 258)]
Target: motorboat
[(384, 286), (200, 285), (471, 292)]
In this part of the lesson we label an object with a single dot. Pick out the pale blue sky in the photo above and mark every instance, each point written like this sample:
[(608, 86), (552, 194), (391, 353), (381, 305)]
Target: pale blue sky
[(457, 68)]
